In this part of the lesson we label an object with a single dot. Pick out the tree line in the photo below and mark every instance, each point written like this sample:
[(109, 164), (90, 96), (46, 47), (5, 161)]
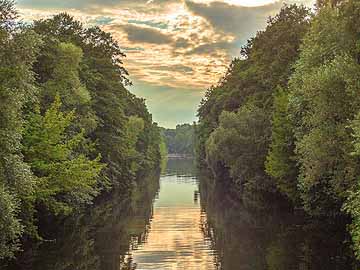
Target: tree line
[(180, 141), (69, 128), (284, 122)]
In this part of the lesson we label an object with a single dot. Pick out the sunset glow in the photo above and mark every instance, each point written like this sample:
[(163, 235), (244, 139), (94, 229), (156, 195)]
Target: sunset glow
[(193, 42), (248, 3)]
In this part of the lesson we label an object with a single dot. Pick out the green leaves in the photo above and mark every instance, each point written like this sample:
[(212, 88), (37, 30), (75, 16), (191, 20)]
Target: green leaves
[(280, 161), (239, 144), (68, 126), (50, 149), (322, 104), (180, 140), (235, 116), (10, 226), (352, 204), (65, 77), (18, 50)]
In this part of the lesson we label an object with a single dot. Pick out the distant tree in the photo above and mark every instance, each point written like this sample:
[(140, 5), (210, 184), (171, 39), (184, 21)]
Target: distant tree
[(180, 140)]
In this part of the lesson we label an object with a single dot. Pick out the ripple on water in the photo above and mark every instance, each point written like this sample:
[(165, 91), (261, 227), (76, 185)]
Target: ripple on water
[(175, 239)]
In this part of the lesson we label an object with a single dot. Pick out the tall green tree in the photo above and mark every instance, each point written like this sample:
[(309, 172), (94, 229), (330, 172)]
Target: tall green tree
[(323, 100), (249, 89), (280, 162), (102, 73), (239, 145), (65, 179), (18, 50)]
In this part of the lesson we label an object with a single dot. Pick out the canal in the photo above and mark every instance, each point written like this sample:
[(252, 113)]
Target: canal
[(180, 220)]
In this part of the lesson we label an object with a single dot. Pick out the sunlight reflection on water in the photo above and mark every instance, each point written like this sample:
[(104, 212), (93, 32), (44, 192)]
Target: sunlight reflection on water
[(175, 239)]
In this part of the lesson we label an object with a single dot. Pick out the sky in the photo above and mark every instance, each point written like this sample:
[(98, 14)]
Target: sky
[(175, 49)]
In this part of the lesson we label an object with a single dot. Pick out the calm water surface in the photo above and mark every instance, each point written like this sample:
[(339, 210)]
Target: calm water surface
[(175, 238), (176, 221)]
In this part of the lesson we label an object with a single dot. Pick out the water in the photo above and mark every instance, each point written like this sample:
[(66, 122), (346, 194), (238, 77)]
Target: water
[(176, 221), (175, 239)]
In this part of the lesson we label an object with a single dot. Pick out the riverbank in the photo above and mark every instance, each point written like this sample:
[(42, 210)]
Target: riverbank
[(181, 156), (181, 220)]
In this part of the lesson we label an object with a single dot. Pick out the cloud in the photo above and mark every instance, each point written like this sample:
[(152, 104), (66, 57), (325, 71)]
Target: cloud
[(101, 21), (150, 23), (126, 49), (182, 43), (175, 48), (97, 6), (170, 106), (239, 20), (145, 35), (177, 68), (212, 48)]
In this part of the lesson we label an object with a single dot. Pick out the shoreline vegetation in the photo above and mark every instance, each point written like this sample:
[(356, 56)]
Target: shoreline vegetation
[(70, 131), (180, 141), (280, 130), (181, 156), (283, 123)]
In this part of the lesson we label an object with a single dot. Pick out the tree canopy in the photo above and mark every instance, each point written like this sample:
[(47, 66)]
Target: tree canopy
[(69, 128), (180, 140), (283, 121)]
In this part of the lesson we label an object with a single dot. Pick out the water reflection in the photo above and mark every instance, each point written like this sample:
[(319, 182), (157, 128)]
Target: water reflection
[(273, 240), (175, 239), (98, 239), (183, 168), (180, 222)]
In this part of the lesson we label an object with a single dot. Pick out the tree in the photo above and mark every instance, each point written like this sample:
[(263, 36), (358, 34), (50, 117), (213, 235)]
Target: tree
[(63, 67), (239, 145), (18, 49), (352, 204), (65, 179), (280, 161), (10, 227), (248, 88), (65, 77), (106, 116), (323, 99), (180, 140)]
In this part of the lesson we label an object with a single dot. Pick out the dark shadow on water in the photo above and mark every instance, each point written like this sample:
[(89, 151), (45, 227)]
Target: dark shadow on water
[(98, 239), (117, 231), (180, 167), (272, 240)]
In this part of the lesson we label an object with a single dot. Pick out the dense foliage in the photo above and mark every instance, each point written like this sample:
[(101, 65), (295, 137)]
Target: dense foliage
[(283, 122), (272, 240), (180, 141), (234, 131), (69, 128)]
